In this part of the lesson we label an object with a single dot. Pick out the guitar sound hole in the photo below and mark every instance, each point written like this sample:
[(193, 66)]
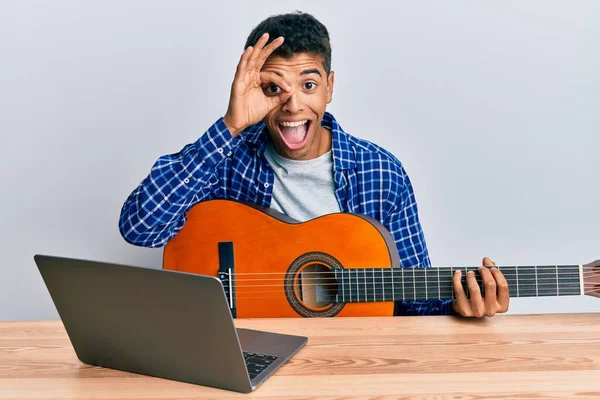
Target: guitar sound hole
[(316, 286), (310, 285)]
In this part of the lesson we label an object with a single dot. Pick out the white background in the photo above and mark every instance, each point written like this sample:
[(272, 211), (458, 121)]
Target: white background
[(492, 107)]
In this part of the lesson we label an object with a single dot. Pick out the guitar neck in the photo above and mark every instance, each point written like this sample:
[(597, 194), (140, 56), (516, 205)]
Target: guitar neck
[(396, 284)]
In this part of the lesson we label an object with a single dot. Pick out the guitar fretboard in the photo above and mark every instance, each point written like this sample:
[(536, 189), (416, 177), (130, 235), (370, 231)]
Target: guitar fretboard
[(396, 284)]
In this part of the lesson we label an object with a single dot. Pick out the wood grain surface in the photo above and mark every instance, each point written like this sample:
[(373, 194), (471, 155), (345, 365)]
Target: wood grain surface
[(505, 357)]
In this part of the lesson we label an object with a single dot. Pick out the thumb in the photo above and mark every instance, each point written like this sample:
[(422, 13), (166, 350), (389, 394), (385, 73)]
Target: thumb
[(487, 262), (279, 99)]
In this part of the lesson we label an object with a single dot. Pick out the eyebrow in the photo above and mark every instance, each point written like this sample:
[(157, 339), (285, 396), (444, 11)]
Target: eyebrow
[(310, 71), (305, 72)]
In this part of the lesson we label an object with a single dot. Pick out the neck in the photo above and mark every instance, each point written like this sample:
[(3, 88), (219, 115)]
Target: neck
[(395, 284)]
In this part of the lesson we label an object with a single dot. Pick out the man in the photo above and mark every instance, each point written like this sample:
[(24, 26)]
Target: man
[(277, 146)]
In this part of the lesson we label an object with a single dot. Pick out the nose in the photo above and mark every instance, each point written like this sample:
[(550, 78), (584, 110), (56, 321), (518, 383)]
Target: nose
[(293, 104)]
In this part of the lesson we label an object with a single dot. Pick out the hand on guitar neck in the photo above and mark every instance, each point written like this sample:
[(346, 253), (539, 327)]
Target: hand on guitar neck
[(496, 288)]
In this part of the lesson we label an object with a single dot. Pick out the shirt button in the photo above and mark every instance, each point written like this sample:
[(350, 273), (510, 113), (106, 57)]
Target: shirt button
[(266, 185), (186, 180), (220, 150), (229, 154)]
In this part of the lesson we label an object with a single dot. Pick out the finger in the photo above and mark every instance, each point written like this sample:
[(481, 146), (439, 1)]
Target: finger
[(489, 284), (242, 65), (257, 49), (276, 101), (476, 301), (267, 51), (502, 289), (487, 262), (462, 304)]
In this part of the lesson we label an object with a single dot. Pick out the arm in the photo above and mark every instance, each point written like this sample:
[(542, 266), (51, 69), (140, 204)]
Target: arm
[(156, 210), (405, 227)]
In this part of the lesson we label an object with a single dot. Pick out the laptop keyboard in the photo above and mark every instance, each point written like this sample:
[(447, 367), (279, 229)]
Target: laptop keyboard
[(256, 362)]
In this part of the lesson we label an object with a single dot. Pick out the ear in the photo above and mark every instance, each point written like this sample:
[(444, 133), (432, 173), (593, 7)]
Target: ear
[(330, 81)]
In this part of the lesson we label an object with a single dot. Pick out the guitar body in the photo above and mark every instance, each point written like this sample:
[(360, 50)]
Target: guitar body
[(274, 256)]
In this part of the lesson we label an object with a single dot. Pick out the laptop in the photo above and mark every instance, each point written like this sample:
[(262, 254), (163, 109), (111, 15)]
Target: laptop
[(160, 323)]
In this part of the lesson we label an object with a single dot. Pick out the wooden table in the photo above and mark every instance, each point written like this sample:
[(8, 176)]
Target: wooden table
[(504, 357)]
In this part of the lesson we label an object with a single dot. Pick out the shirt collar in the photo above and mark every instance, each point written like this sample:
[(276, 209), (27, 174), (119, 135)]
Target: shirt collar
[(343, 154)]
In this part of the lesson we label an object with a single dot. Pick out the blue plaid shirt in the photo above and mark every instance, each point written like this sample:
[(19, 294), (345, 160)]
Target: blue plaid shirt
[(369, 180)]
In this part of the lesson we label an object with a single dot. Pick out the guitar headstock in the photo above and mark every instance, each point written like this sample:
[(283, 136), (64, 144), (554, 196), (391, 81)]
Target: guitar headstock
[(591, 279)]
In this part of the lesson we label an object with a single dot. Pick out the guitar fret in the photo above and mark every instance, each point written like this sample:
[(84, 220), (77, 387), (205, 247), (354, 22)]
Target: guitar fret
[(366, 278), (438, 282), (349, 285), (403, 290), (414, 284), (536, 281), (382, 285), (393, 287), (374, 291), (517, 275), (337, 296), (368, 287), (358, 284), (350, 289), (357, 287), (557, 285), (451, 275), (465, 284), (581, 290), (365, 282), (342, 273), (426, 283)]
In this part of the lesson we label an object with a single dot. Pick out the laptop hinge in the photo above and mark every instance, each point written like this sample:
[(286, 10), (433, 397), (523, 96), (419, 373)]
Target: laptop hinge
[(226, 270)]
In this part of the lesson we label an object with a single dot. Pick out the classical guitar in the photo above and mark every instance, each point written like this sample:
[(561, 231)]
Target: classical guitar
[(336, 265)]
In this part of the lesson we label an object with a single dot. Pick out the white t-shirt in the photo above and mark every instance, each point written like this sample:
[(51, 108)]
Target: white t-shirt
[(304, 189)]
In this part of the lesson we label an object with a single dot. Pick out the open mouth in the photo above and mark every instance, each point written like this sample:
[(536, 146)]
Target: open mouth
[(294, 134)]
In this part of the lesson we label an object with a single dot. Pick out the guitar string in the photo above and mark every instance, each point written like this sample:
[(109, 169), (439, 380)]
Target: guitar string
[(372, 294), (361, 280), (361, 290), (407, 272), (370, 275), (434, 269), (370, 278), (419, 271), (449, 296), (370, 289), (395, 291)]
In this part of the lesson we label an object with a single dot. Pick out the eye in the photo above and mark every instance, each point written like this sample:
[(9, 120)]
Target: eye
[(310, 85), (272, 89)]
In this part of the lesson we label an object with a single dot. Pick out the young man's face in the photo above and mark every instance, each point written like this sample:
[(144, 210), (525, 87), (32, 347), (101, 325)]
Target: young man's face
[(295, 126)]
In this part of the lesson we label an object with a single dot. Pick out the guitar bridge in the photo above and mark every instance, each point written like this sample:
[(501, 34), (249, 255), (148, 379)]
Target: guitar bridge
[(225, 275)]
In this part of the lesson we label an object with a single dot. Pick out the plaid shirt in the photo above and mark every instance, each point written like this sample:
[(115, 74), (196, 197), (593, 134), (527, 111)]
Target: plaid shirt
[(369, 180)]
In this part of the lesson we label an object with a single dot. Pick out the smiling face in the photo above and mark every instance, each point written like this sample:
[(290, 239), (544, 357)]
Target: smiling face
[(295, 126)]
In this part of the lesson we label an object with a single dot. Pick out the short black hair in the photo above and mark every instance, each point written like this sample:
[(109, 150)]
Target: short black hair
[(302, 33)]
